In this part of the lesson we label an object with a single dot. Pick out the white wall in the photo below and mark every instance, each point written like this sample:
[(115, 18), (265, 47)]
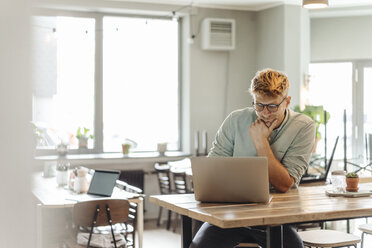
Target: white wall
[(270, 38), (282, 44), (296, 48), (218, 81), (17, 213), (341, 38), (305, 48)]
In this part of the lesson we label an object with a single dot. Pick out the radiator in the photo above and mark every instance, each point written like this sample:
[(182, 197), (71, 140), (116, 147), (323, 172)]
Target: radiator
[(133, 177)]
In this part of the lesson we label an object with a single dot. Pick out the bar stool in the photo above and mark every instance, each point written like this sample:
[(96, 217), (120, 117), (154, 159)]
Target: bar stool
[(366, 229), (328, 238)]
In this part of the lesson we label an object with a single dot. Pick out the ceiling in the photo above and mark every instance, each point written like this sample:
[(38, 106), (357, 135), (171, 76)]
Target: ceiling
[(254, 5)]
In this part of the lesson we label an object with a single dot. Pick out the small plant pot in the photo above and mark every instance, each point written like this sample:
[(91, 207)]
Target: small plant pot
[(352, 184), (162, 148), (83, 143), (125, 148)]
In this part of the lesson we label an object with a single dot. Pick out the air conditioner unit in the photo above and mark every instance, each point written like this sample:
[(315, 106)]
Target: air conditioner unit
[(218, 34)]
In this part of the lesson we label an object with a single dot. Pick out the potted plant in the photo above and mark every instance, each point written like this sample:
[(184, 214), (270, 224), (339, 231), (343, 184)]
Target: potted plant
[(352, 181), (316, 113), (83, 137), (126, 147)]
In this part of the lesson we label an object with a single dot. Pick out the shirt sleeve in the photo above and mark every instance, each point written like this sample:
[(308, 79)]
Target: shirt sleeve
[(223, 144), (297, 157)]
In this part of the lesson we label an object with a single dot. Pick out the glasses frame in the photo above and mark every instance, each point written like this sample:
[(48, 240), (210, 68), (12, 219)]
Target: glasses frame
[(269, 107)]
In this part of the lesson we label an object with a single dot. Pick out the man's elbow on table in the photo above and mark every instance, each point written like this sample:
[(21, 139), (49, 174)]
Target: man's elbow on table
[(285, 186)]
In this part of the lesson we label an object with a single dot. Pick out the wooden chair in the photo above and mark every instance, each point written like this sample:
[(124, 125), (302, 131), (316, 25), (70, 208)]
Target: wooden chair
[(130, 226), (328, 238), (163, 173), (89, 215), (366, 229), (180, 187), (180, 183)]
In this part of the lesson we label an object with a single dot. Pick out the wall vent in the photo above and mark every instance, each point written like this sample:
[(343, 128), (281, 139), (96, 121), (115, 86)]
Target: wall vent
[(218, 34)]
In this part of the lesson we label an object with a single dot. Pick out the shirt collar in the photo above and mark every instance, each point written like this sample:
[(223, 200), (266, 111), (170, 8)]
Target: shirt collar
[(283, 122), (276, 130)]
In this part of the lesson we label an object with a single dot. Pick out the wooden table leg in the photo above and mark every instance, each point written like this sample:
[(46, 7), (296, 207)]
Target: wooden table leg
[(39, 226), (140, 223), (186, 232)]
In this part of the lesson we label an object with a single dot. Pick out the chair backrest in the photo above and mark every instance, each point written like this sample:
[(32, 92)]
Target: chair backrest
[(133, 213), (127, 187), (180, 184), (163, 173), (135, 178), (84, 212)]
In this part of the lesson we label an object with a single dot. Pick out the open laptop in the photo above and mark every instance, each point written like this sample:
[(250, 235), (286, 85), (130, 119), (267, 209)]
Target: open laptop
[(323, 177), (101, 185), (231, 179)]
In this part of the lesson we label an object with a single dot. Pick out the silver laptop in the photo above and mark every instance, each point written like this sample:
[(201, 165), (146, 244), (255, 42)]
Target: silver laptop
[(231, 179)]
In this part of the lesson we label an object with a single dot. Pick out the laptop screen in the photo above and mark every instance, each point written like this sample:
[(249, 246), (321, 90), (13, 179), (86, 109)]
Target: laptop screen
[(103, 182)]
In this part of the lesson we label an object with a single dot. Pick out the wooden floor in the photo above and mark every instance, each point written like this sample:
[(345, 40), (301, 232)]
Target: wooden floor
[(160, 237)]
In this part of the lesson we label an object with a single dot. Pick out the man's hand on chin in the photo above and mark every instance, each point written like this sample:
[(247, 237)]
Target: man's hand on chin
[(261, 130)]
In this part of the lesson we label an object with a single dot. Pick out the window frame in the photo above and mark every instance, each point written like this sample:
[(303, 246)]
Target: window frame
[(98, 76)]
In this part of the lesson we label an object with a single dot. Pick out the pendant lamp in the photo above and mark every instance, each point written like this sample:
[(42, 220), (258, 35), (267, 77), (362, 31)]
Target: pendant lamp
[(314, 4)]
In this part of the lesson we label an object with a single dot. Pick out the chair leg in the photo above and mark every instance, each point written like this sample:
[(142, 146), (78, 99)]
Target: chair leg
[(322, 225), (361, 245), (169, 219), (159, 216), (134, 233), (175, 223)]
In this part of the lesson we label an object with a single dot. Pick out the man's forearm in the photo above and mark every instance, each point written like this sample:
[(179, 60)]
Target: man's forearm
[(278, 174)]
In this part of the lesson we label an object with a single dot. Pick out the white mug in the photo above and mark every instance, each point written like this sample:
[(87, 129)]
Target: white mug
[(162, 147)]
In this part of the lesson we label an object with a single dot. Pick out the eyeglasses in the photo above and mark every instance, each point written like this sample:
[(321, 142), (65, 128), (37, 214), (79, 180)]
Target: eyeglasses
[(270, 107)]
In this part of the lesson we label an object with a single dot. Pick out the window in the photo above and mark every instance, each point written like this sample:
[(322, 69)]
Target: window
[(140, 89), (116, 75), (344, 85), (336, 78), (63, 98)]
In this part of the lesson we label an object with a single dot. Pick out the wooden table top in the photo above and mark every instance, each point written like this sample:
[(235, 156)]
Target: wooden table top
[(304, 204), (50, 195)]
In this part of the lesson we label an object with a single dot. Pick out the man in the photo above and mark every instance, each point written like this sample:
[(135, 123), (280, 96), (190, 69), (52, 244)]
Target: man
[(272, 130)]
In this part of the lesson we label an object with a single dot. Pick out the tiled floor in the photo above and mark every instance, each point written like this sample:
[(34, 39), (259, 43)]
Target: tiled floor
[(160, 237)]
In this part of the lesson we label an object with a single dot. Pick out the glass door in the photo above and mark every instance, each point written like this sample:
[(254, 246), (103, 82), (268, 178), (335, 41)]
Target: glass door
[(331, 87), (365, 79)]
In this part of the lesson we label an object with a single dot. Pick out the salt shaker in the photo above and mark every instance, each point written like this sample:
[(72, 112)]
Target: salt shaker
[(338, 180)]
